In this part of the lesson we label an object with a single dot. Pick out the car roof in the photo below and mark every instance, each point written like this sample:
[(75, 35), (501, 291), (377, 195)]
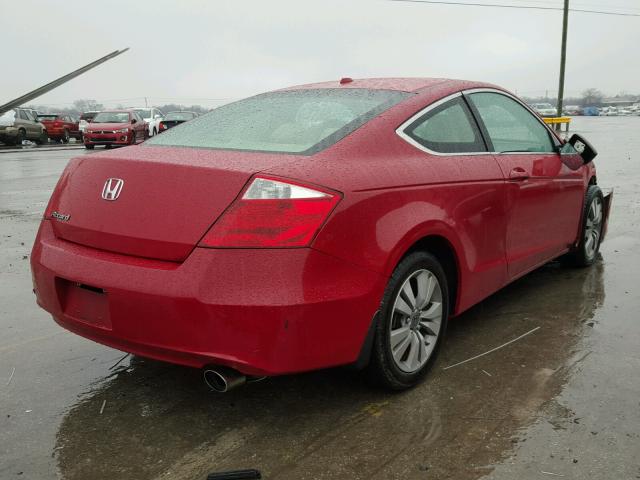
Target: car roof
[(404, 84)]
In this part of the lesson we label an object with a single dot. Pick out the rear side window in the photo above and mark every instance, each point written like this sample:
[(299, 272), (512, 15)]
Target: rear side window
[(511, 127), (297, 121), (448, 128)]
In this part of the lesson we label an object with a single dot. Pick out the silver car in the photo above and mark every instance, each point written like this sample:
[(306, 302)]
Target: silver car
[(19, 124)]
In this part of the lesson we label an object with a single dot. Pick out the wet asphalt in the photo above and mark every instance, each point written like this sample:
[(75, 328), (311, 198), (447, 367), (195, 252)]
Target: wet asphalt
[(562, 401)]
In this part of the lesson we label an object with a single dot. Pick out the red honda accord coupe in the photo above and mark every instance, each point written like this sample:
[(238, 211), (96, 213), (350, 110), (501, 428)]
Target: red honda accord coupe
[(319, 225)]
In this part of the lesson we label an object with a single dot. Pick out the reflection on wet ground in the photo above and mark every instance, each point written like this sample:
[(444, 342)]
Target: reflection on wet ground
[(563, 400), (331, 425)]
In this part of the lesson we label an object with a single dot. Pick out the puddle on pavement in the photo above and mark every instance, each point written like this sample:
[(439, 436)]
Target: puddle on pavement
[(159, 419)]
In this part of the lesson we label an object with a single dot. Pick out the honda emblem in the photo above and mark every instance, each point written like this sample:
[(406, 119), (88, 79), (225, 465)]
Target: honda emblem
[(112, 188)]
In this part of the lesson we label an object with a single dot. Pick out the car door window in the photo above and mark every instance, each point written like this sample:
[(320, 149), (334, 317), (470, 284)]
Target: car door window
[(448, 128), (23, 115), (510, 126)]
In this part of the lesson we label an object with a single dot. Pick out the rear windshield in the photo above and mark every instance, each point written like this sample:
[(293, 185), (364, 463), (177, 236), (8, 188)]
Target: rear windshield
[(48, 116), (297, 121), (180, 116), (144, 113), (88, 115), (111, 117)]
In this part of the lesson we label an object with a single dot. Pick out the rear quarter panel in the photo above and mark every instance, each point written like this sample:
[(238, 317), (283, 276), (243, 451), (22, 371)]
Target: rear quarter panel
[(395, 195)]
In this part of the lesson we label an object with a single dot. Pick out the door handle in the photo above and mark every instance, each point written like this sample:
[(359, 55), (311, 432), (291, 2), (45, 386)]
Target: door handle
[(518, 174)]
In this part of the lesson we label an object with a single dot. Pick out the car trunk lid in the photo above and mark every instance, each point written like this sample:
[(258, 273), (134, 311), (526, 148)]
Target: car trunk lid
[(168, 198)]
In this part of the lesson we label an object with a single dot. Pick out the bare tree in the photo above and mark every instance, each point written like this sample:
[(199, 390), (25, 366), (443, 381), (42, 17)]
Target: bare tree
[(86, 105), (592, 96)]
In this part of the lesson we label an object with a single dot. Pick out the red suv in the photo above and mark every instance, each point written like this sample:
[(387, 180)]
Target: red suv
[(60, 127), (115, 127)]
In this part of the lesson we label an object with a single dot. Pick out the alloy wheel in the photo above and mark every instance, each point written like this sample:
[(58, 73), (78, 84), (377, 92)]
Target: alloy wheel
[(416, 321), (593, 227)]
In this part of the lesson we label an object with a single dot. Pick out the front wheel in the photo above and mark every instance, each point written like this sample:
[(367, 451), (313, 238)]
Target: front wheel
[(411, 324), (585, 253), (65, 136), (43, 139), (133, 138)]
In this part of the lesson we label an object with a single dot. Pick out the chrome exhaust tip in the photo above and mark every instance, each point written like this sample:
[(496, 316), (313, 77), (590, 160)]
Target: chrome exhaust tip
[(223, 379)]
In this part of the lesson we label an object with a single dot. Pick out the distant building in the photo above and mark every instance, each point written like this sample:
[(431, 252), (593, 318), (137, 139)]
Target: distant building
[(618, 101)]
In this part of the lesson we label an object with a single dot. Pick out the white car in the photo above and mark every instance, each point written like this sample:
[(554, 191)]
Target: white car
[(153, 116), (544, 109), (609, 112), (85, 118)]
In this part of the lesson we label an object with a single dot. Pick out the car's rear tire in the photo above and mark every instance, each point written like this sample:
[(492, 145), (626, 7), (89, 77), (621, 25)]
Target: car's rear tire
[(22, 134), (155, 132), (411, 323), (89, 147), (586, 252)]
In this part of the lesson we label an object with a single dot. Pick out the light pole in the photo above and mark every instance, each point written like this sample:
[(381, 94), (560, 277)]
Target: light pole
[(563, 58)]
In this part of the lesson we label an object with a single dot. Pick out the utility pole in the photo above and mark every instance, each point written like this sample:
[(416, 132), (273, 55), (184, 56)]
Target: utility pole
[(563, 58)]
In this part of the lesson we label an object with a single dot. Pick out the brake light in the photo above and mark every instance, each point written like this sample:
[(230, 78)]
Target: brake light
[(161, 126), (272, 214)]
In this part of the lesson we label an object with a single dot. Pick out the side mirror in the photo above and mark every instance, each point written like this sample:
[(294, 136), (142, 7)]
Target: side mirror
[(583, 147), (134, 120)]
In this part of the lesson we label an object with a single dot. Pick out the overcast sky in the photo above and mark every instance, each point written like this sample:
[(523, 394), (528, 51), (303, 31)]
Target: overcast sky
[(198, 51)]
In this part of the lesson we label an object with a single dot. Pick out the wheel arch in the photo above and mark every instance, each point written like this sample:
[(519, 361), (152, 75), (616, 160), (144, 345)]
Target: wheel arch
[(444, 251), (443, 244)]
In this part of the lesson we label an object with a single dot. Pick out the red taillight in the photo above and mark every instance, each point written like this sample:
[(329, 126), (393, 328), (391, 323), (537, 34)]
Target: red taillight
[(272, 213), (162, 126)]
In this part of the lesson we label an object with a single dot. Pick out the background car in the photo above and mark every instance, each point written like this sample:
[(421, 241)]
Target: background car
[(19, 124), (322, 225), (60, 127), (153, 116), (84, 120), (172, 119), (572, 110), (544, 109), (115, 127)]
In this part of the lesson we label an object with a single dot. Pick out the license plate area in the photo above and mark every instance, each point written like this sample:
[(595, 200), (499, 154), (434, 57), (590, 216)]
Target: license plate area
[(84, 303)]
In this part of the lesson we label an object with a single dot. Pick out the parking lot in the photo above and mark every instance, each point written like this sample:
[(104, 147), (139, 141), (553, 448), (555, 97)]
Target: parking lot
[(561, 401)]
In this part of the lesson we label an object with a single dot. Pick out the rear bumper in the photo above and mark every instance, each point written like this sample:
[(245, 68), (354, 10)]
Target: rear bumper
[(262, 312), (8, 132)]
